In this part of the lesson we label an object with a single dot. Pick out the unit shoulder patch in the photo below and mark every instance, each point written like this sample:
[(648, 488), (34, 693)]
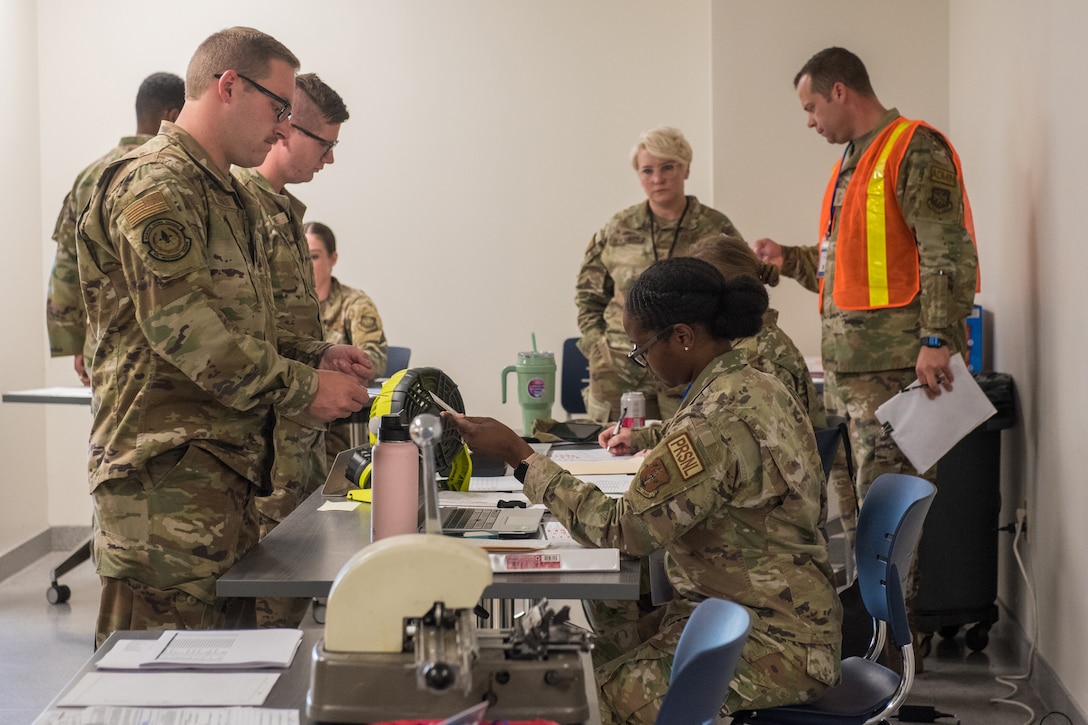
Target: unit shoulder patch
[(166, 240), (940, 200), (653, 476)]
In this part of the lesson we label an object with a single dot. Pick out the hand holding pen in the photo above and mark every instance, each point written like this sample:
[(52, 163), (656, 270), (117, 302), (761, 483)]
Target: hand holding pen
[(616, 440)]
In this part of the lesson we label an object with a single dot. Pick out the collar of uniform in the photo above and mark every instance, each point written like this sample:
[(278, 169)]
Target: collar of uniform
[(727, 362), (137, 140), (330, 306), (177, 135), (644, 213), (862, 142)]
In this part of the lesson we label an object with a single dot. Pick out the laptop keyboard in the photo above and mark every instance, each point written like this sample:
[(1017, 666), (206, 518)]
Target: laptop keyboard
[(478, 519)]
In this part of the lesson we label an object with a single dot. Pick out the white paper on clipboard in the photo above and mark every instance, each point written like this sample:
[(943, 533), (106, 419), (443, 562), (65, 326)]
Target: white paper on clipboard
[(926, 429)]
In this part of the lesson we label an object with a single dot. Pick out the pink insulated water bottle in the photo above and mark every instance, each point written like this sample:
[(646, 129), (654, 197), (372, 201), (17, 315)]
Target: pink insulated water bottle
[(395, 480)]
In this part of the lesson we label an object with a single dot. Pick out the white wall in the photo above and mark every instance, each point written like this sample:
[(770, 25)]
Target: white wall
[(489, 140), (22, 428), (1018, 108)]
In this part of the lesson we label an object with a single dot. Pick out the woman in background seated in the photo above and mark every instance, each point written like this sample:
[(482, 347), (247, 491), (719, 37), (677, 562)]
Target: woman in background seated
[(348, 316), (730, 491)]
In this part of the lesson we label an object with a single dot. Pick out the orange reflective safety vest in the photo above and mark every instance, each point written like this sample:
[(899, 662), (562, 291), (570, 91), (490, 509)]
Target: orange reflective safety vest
[(876, 254)]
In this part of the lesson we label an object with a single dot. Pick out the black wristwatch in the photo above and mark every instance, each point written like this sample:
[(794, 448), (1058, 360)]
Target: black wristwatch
[(933, 341), (521, 471)]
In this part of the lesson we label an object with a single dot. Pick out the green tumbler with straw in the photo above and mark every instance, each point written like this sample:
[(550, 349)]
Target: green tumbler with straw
[(536, 385)]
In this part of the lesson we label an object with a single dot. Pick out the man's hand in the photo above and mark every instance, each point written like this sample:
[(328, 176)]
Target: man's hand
[(618, 444), (934, 370), (349, 360), (338, 395), (81, 370), (489, 437), (769, 251)]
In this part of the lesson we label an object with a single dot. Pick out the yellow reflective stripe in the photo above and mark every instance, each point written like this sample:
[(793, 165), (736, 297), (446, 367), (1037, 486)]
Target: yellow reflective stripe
[(875, 226)]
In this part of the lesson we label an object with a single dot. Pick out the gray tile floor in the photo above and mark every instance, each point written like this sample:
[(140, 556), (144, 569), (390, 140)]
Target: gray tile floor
[(44, 645)]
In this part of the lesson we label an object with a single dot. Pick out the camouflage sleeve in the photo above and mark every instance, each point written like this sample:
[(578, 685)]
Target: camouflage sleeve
[(65, 314), (931, 198), (305, 350), (802, 264), (363, 325), (592, 292), (647, 437), (680, 483), (183, 312)]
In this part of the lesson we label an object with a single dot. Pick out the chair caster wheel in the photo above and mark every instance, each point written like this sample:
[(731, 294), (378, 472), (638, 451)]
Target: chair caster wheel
[(58, 593)]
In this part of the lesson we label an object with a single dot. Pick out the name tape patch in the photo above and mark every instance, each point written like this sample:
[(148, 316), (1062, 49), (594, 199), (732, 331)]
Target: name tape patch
[(686, 457)]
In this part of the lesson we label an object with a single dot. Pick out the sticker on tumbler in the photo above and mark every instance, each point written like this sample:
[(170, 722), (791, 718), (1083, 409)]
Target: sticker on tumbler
[(536, 388)]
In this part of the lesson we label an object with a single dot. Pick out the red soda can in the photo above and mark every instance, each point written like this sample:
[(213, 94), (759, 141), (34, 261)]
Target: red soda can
[(633, 409)]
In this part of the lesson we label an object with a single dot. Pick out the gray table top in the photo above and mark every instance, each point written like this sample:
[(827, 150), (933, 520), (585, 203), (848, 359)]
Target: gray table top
[(60, 396), (302, 556), (292, 687)]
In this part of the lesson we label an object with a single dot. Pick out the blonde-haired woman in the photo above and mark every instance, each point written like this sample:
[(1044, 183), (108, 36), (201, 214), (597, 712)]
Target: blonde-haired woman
[(663, 226)]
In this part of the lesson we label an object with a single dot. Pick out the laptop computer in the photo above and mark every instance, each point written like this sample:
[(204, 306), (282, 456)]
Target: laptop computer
[(502, 523)]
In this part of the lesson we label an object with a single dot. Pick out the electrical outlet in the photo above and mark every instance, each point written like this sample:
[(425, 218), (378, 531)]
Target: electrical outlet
[(1022, 520)]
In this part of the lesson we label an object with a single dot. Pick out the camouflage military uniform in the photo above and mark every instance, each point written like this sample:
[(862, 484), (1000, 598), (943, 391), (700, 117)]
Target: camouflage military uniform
[(65, 315), (298, 465), (868, 355), (615, 257), (729, 494), (350, 317), (188, 368), (772, 351)]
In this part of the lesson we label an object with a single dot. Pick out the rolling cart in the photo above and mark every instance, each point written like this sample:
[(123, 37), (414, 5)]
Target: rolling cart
[(957, 556)]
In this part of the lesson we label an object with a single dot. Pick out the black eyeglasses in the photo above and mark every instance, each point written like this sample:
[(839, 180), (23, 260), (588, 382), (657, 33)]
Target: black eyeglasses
[(638, 354), (283, 112), (329, 145)]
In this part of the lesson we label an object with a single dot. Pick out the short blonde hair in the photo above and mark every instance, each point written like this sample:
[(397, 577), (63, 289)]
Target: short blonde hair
[(664, 142), (246, 51), (732, 257)]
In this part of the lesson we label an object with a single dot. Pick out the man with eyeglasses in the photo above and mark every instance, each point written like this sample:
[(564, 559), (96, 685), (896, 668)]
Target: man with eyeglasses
[(191, 365), (298, 467), (160, 98)]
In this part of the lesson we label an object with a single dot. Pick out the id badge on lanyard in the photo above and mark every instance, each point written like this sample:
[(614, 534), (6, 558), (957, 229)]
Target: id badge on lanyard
[(836, 204)]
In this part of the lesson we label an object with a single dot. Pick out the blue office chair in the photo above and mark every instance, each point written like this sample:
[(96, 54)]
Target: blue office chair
[(702, 669), (396, 360), (889, 526), (573, 377)]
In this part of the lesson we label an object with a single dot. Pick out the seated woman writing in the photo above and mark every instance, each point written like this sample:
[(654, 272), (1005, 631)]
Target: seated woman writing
[(730, 491)]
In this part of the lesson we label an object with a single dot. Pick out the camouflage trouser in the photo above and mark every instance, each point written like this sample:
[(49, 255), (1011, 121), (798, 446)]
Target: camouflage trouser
[(855, 397), (611, 375), (164, 535), (616, 622), (770, 672), (131, 605)]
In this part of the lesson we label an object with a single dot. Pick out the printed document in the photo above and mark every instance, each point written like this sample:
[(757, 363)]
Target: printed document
[(926, 429)]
